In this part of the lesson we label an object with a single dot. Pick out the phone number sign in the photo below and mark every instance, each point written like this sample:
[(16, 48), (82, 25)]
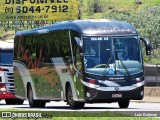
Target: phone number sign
[(12, 10)]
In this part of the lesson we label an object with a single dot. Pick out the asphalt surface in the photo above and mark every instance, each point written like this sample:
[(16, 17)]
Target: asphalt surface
[(136, 108), (61, 106)]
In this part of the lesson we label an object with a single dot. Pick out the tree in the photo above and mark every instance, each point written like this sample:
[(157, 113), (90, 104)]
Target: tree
[(96, 6)]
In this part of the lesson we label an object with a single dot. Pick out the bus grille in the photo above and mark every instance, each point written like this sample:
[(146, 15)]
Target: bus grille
[(10, 82)]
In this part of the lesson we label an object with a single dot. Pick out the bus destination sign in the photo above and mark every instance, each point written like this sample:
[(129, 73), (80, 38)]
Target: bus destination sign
[(38, 10)]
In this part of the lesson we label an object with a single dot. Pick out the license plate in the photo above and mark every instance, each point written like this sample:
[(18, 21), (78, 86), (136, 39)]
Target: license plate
[(116, 95)]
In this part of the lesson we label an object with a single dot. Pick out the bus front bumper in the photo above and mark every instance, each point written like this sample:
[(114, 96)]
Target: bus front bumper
[(97, 96), (6, 95)]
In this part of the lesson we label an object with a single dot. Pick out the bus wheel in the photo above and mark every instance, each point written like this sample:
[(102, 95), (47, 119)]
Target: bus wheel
[(20, 102), (14, 101), (8, 101), (73, 104), (34, 103), (41, 103), (123, 103)]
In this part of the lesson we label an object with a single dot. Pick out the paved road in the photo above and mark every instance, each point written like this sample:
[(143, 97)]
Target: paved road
[(134, 109), (61, 106)]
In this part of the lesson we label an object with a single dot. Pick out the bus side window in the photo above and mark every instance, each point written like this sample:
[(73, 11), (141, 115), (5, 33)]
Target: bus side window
[(65, 45)]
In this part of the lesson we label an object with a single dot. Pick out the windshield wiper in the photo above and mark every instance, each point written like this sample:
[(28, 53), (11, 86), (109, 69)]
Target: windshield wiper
[(124, 66), (105, 70)]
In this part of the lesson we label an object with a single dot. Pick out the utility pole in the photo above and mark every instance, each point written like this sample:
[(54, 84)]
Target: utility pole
[(16, 20), (16, 23)]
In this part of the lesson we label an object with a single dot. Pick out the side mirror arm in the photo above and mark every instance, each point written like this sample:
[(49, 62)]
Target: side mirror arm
[(79, 43), (147, 44)]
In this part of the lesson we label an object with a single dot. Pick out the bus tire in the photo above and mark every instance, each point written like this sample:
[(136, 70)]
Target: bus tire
[(34, 103), (124, 103), (73, 104), (14, 101), (41, 103), (19, 101), (8, 101)]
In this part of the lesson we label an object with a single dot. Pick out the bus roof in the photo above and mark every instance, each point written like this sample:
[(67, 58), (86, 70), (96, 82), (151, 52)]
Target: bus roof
[(88, 27), (6, 45)]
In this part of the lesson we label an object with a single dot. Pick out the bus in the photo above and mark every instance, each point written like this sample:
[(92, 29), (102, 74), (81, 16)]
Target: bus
[(6, 73), (80, 62)]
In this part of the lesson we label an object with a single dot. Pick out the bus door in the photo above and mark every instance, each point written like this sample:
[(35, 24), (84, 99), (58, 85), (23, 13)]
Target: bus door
[(78, 67)]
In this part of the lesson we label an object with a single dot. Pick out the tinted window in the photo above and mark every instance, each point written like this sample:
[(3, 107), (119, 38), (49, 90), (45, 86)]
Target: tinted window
[(6, 57)]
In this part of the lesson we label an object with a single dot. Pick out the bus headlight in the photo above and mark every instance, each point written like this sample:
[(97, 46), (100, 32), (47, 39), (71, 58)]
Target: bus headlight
[(88, 94), (3, 89), (138, 80)]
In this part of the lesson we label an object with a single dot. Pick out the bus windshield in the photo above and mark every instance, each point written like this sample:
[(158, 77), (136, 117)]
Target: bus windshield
[(6, 57), (112, 55)]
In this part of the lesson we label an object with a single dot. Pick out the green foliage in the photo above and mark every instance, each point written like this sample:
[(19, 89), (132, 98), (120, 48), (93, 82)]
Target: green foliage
[(96, 6), (86, 6)]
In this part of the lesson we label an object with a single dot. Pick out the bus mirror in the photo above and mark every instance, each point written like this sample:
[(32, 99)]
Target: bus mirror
[(148, 46), (79, 43), (81, 55)]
